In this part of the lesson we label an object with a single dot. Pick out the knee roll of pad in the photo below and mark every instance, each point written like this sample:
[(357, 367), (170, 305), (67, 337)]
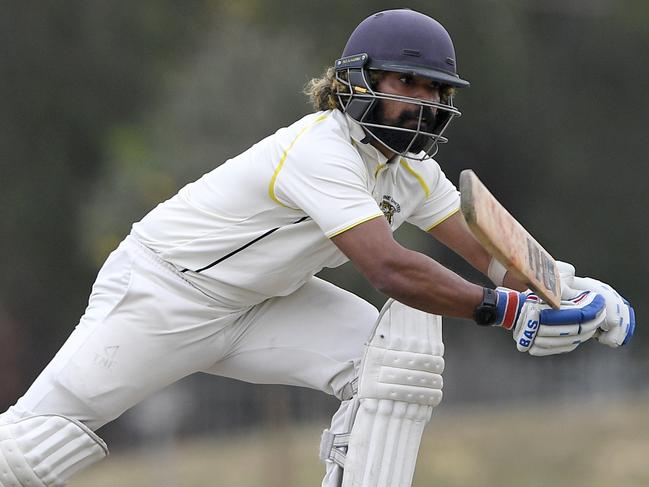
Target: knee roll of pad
[(46, 450), (399, 384)]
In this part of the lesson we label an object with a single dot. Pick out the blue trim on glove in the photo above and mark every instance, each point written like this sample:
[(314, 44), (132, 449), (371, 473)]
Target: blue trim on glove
[(573, 316), (631, 328), (501, 304)]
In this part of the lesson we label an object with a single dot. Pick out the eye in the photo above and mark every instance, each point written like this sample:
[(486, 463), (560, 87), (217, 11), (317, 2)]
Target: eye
[(406, 79)]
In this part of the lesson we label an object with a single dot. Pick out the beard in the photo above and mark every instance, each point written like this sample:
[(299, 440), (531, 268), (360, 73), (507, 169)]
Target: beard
[(399, 140)]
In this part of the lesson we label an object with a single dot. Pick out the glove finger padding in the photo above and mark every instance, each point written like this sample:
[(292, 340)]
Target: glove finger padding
[(619, 324), (552, 345), (544, 352), (567, 330), (542, 330), (585, 311), (562, 341)]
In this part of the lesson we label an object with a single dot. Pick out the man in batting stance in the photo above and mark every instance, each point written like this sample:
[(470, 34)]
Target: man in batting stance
[(220, 278)]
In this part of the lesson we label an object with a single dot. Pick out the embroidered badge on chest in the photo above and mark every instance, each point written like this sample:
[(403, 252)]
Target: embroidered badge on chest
[(389, 207)]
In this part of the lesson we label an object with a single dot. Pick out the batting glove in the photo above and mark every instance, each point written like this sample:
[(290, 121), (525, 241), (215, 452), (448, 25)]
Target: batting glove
[(540, 330), (564, 329), (619, 324)]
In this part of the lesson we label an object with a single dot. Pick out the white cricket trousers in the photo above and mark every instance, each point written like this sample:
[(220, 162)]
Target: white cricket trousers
[(146, 327)]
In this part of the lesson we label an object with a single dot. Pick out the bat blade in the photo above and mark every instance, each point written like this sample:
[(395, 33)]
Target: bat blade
[(507, 240)]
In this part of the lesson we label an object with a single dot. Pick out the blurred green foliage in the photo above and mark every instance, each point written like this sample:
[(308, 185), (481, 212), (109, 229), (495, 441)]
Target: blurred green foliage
[(69, 73)]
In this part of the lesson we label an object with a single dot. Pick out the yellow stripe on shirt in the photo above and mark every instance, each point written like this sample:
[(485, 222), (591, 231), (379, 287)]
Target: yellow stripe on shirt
[(422, 183), (442, 220), (271, 186), (355, 224)]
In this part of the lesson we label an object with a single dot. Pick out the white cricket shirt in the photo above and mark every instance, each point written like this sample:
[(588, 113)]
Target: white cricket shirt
[(260, 224)]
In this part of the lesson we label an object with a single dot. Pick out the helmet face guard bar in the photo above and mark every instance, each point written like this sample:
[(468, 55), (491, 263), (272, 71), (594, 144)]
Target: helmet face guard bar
[(360, 99)]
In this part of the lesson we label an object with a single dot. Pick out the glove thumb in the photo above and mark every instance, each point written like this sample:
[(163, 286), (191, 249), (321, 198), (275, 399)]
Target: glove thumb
[(567, 276)]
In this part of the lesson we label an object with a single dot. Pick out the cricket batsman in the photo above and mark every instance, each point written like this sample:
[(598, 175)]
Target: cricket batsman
[(221, 278)]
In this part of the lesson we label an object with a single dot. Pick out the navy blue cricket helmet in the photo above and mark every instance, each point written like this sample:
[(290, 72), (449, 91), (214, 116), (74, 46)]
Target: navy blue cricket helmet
[(402, 41)]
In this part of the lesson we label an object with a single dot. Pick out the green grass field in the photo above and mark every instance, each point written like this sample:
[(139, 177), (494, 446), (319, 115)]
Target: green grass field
[(579, 443)]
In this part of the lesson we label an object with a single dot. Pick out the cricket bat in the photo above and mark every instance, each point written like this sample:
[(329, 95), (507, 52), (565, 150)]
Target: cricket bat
[(507, 240)]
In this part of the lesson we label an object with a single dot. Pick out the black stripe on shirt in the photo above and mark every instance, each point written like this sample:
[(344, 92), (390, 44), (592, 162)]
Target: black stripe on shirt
[(243, 247)]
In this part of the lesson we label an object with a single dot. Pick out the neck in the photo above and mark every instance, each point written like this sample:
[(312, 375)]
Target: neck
[(382, 149)]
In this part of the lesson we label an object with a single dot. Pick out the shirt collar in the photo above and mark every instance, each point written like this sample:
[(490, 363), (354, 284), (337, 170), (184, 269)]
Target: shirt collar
[(358, 135)]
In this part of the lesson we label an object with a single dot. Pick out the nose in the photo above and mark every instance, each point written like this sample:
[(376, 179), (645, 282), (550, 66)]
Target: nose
[(426, 90), (431, 93)]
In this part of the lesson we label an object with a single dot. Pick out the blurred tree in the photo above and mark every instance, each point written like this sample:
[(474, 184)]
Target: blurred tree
[(68, 72), (234, 90)]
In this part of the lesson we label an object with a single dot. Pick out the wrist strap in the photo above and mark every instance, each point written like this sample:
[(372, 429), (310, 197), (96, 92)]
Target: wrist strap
[(509, 304), (496, 272)]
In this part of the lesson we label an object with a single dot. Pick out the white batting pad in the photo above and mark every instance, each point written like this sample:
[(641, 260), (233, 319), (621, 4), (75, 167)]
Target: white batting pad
[(45, 451), (399, 384)]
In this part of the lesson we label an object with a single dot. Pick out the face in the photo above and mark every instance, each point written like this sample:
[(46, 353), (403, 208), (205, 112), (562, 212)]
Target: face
[(402, 114)]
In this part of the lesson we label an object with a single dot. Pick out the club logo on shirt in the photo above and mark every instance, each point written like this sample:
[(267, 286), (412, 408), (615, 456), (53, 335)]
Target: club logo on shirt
[(389, 207)]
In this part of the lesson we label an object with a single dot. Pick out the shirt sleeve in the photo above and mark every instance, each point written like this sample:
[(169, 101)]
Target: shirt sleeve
[(326, 178), (442, 201)]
